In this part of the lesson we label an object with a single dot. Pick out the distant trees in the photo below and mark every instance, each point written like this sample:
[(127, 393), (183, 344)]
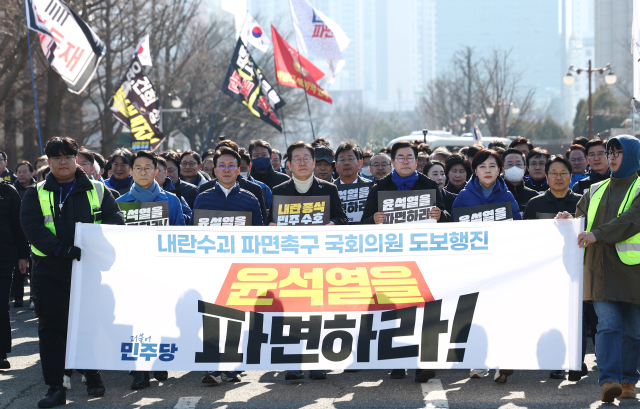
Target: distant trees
[(607, 113)]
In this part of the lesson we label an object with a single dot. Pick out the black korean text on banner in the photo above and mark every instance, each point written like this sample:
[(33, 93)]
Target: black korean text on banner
[(145, 213), (245, 83), (353, 198), (407, 206), (203, 217), (485, 213), (301, 210), (71, 47), (136, 105)]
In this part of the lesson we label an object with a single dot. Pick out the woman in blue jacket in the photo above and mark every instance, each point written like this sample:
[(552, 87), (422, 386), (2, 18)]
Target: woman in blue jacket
[(485, 186)]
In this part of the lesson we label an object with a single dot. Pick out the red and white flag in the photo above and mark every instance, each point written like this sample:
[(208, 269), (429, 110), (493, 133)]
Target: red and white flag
[(317, 34), (144, 52), (252, 33), (71, 47)]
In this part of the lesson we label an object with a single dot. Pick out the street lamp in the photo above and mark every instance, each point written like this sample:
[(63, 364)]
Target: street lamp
[(609, 79), (514, 110), (490, 110), (473, 117)]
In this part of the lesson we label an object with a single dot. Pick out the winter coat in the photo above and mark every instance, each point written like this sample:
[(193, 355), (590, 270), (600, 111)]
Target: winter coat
[(359, 179), (318, 188), (576, 178), (76, 209), (522, 193), (549, 204), (271, 178), (238, 200), (198, 181), (8, 176), (582, 186), (539, 186), (176, 217), (386, 185), (449, 198), (22, 190), (111, 184), (452, 189), (188, 191), (254, 188), (13, 245), (471, 195), (186, 209)]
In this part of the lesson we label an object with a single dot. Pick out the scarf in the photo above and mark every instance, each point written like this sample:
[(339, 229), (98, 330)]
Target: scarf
[(120, 184), (404, 183), (145, 195), (302, 186)]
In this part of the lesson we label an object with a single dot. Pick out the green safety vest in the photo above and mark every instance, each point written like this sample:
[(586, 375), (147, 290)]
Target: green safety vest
[(46, 199), (628, 250)]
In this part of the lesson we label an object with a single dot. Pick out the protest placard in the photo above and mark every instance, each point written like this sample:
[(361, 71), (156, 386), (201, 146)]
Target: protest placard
[(145, 213), (485, 213), (353, 198), (407, 206), (203, 217), (301, 210)]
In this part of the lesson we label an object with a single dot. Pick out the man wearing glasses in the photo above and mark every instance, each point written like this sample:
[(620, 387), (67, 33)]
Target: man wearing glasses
[(348, 165), (577, 155), (380, 165), (190, 169), (49, 213), (598, 166), (611, 262)]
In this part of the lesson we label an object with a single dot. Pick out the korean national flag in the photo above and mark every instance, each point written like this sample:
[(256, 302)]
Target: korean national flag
[(252, 33)]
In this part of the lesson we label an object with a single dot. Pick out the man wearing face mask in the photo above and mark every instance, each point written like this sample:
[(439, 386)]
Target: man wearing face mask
[(365, 172), (261, 154), (514, 170)]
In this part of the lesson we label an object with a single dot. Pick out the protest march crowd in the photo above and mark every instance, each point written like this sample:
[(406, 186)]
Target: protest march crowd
[(229, 185)]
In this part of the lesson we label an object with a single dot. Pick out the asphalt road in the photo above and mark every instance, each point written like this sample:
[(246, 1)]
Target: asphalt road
[(22, 386)]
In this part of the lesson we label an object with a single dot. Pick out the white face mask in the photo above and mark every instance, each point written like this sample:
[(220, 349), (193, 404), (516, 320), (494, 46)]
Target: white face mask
[(244, 174), (514, 174), (366, 171)]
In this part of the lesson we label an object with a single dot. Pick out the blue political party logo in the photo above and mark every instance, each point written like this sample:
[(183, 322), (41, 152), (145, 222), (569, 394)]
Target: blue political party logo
[(141, 346)]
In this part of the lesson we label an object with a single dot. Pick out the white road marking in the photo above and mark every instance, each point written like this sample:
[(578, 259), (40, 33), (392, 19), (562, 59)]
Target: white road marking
[(189, 402), (434, 395)]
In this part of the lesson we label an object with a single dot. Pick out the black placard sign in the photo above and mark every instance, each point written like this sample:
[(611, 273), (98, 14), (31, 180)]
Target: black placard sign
[(145, 213), (203, 217), (407, 206), (485, 213), (353, 197), (301, 210)]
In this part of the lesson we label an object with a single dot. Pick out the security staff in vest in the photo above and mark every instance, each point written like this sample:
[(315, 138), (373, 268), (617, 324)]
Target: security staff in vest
[(48, 216), (612, 266)]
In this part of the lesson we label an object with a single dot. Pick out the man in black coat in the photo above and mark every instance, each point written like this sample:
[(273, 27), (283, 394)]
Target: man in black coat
[(514, 171), (14, 248), (50, 228), (261, 169), (598, 166)]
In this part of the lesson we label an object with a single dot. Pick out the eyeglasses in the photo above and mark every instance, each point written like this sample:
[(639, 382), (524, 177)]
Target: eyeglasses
[(298, 159), (66, 159), (347, 159), (188, 164), (147, 169), (381, 165), (615, 154), (402, 159), (594, 155), (554, 175), (577, 160), (230, 166)]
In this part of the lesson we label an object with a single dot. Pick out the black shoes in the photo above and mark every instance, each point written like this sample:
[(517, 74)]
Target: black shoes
[(556, 375), (140, 380), (294, 375), (161, 375), (56, 396), (423, 375), (4, 364), (398, 374), (95, 387), (575, 376), (317, 375)]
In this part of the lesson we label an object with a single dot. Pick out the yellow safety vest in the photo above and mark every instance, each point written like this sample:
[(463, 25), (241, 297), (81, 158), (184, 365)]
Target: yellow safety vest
[(628, 250), (46, 199)]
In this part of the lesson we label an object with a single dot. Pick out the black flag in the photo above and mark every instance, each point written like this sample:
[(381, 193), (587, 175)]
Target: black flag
[(245, 83)]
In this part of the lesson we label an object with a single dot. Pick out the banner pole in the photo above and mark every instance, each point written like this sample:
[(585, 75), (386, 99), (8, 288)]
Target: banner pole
[(33, 87), (304, 83)]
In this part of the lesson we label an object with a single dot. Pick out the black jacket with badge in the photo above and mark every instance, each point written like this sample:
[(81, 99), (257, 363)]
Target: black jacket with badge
[(386, 184), (76, 209), (548, 204), (13, 243), (271, 178), (318, 188)]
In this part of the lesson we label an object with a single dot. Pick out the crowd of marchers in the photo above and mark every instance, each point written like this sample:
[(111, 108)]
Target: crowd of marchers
[(596, 179)]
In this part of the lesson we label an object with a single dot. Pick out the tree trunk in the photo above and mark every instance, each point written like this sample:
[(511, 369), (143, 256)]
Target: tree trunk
[(56, 90), (10, 136)]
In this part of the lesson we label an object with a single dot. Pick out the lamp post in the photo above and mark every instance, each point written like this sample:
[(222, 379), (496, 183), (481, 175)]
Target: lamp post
[(473, 117), (609, 79), (453, 127), (492, 107)]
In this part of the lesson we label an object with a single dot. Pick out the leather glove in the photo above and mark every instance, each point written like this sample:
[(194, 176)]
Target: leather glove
[(70, 252)]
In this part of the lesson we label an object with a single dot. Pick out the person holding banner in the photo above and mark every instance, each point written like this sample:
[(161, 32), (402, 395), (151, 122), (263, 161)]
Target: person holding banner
[(121, 179), (559, 198), (612, 256), (48, 216)]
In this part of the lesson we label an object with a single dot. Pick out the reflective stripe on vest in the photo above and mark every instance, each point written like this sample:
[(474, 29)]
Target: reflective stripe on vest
[(628, 250), (46, 204)]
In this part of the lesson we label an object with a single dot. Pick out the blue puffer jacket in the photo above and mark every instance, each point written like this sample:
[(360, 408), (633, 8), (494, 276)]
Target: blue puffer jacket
[(471, 195), (239, 200), (176, 217)]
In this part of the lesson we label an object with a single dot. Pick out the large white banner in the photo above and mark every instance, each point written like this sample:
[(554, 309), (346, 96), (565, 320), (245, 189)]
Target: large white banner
[(450, 295)]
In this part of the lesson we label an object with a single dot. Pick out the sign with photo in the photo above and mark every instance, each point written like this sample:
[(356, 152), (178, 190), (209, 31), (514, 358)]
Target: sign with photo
[(353, 198), (145, 213), (301, 210), (407, 206), (203, 217), (486, 213)]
